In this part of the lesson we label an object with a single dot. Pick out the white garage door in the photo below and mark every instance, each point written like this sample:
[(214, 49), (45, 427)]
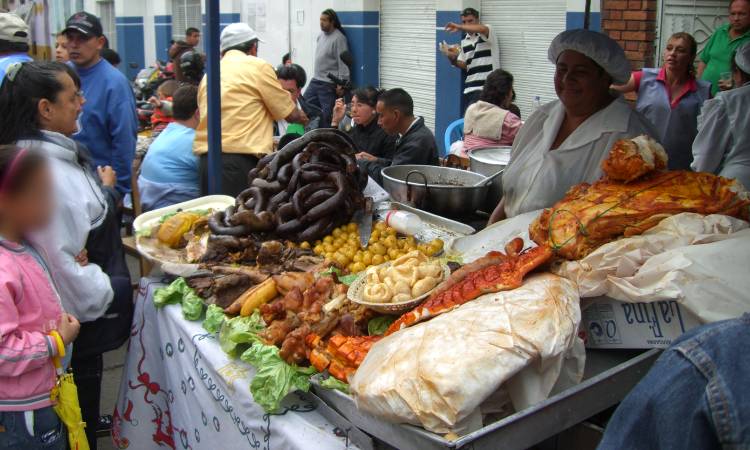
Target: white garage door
[(525, 30), (407, 52)]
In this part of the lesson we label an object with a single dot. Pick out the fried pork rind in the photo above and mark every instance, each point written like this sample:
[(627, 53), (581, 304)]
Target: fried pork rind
[(631, 159)]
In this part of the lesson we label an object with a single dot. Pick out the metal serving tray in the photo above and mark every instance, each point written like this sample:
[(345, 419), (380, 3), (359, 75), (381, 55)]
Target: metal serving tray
[(434, 226), (608, 377)]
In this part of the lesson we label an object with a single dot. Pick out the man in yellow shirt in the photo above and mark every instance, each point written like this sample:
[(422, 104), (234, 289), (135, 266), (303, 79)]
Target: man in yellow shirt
[(252, 99)]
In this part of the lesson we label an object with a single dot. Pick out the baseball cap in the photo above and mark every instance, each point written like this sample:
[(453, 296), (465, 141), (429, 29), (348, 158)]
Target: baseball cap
[(85, 23), (13, 29), (235, 34)]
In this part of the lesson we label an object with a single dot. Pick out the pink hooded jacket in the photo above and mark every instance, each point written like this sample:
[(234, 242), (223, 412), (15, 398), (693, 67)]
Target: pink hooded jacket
[(29, 310)]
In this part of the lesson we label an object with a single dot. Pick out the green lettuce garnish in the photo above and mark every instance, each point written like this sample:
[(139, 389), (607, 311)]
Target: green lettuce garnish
[(180, 292), (238, 333), (274, 378), (214, 318), (379, 325), (333, 383)]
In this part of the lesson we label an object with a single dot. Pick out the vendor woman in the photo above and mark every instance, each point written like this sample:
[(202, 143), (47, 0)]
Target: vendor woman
[(363, 126), (564, 142)]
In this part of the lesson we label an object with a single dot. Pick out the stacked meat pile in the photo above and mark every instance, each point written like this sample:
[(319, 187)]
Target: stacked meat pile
[(300, 193)]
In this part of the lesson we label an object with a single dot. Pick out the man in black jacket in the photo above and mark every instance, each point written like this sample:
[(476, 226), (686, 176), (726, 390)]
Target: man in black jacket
[(415, 143)]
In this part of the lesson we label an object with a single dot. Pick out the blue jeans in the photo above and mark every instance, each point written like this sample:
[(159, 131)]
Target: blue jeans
[(49, 432), (323, 95), (696, 395)]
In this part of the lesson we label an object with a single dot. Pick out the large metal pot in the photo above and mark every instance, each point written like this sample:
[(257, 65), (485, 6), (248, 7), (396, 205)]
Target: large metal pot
[(440, 190), (488, 161)]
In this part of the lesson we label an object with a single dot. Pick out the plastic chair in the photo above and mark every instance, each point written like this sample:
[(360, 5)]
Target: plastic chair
[(454, 132)]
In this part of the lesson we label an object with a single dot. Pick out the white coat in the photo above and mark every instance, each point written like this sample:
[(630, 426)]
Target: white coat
[(722, 145), (80, 206), (537, 178)]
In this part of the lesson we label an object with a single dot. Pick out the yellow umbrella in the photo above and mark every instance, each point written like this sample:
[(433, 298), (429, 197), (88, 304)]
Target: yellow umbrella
[(65, 397)]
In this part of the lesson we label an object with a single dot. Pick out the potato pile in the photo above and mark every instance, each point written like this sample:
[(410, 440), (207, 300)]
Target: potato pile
[(342, 247), (406, 278)]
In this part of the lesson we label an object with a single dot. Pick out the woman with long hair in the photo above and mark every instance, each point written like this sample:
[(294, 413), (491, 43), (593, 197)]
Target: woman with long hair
[(671, 98), (40, 103), (488, 122)]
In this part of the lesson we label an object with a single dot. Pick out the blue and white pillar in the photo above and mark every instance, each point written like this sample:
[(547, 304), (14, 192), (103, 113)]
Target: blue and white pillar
[(130, 36), (361, 21), (576, 10)]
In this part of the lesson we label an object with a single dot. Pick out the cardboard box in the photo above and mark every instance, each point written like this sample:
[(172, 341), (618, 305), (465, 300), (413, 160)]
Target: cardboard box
[(608, 323)]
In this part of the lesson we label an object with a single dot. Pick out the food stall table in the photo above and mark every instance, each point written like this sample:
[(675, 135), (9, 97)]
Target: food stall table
[(608, 377), (180, 390)]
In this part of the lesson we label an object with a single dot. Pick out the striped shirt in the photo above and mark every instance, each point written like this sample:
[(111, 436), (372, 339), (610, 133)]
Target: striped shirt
[(481, 55)]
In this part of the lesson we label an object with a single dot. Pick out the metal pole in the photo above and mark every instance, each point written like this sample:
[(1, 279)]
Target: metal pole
[(213, 90), (587, 15)]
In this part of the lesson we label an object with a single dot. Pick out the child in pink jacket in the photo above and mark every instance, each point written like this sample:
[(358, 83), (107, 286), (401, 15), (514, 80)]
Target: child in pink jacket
[(33, 326)]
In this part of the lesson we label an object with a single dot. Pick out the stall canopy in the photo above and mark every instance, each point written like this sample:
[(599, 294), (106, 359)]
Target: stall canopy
[(213, 84)]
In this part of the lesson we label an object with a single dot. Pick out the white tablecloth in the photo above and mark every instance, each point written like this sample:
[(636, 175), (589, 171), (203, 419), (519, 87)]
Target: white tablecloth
[(180, 390)]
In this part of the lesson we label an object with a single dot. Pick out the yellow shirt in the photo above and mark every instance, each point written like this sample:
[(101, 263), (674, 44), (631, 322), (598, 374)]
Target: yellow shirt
[(251, 100)]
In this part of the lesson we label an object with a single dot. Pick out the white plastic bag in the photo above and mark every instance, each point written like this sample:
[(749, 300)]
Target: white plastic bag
[(699, 261), (435, 374)]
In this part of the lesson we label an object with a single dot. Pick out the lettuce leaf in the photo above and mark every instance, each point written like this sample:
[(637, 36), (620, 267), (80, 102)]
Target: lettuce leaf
[(180, 292), (238, 333), (214, 319), (348, 279), (379, 325), (274, 378), (333, 383)]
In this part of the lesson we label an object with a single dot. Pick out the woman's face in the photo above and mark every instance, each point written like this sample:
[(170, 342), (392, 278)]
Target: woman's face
[(61, 115), (362, 113), (61, 52), (677, 57), (580, 84)]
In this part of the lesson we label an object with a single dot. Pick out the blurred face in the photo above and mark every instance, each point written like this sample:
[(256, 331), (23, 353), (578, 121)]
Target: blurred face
[(30, 208), (362, 113), (579, 82), (326, 25), (82, 49), (469, 20), (61, 52), (739, 16), (60, 115), (388, 118), (291, 87), (677, 57), (193, 39)]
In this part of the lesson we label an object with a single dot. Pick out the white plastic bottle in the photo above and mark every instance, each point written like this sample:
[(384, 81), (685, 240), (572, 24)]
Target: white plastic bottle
[(536, 103), (403, 221)]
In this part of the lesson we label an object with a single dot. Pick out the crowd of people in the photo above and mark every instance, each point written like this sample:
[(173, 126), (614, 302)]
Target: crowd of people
[(69, 133)]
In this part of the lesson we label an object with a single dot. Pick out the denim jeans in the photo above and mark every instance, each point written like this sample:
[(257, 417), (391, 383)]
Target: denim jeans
[(49, 432), (696, 395), (323, 95)]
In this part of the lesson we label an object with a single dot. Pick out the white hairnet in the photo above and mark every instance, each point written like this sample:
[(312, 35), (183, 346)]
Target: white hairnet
[(597, 46), (742, 58)]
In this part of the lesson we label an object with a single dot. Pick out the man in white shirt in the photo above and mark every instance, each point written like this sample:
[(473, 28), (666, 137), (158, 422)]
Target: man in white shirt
[(479, 53)]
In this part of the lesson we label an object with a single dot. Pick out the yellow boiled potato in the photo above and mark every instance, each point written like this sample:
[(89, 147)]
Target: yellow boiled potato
[(393, 253), (358, 256), (380, 226), (328, 239), (318, 250), (378, 249), (390, 231), (375, 235), (357, 267), (352, 227), (349, 252), (336, 233), (341, 259), (329, 248), (390, 242), (305, 245), (377, 259), (367, 258)]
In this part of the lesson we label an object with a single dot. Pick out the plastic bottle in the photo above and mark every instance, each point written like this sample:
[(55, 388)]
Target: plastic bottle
[(536, 103), (403, 221)]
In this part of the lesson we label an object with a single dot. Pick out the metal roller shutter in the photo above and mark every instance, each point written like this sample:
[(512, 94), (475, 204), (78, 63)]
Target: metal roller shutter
[(697, 17), (407, 52), (525, 29)]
